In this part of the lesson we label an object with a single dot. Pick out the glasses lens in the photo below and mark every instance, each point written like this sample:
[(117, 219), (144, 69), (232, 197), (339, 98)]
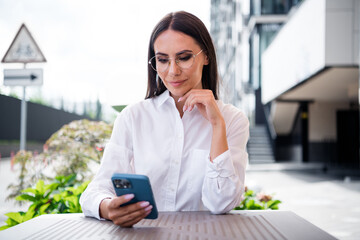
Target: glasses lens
[(152, 63), (185, 60), (161, 63)]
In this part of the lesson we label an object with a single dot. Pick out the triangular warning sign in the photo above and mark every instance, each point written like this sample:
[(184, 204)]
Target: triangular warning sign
[(23, 49)]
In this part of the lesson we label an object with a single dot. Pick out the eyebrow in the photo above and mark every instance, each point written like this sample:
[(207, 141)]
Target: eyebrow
[(178, 53)]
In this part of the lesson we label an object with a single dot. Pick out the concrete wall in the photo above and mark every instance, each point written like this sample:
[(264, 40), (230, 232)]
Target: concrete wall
[(322, 120), (42, 122), (297, 51), (320, 33), (342, 32)]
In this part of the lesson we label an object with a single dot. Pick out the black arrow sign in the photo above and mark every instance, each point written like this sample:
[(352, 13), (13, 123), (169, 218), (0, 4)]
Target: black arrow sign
[(32, 77)]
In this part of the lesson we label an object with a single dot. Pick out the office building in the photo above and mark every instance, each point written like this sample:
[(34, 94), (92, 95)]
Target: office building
[(303, 75)]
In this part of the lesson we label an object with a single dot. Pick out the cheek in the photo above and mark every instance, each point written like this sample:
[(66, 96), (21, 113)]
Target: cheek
[(197, 72), (161, 76)]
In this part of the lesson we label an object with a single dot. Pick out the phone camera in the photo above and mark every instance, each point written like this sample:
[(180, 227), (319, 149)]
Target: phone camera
[(122, 183)]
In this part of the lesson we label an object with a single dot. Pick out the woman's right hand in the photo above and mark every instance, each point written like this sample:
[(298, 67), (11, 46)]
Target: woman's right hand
[(125, 216)]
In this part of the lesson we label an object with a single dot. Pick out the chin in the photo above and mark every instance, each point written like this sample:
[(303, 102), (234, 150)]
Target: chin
[(176, 93)]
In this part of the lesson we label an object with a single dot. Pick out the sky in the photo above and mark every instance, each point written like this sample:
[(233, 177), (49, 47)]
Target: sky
[(94, 49)]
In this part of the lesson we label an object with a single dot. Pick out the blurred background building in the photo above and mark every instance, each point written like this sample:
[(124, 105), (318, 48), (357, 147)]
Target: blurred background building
[(293, 67)]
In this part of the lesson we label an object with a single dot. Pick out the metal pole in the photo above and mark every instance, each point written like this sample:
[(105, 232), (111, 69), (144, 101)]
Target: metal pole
[(23, 119)]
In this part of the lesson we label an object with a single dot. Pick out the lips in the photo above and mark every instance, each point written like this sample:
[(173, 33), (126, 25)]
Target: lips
[(176, 83)]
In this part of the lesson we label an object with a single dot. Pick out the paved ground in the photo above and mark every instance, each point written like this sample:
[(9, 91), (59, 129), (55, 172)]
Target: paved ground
[(331, 203), (7, 176)]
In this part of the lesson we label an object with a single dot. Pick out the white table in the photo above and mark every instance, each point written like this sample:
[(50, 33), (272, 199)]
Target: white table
[(172, 225)]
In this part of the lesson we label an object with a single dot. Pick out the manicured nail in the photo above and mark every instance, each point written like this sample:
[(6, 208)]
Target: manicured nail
[(190, 108), (179, 99), (148, 208), (144, 204), (129, 196), (184, 108)]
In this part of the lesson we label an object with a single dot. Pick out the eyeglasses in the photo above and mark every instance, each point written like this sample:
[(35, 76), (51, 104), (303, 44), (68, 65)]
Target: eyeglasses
[(161, 63)]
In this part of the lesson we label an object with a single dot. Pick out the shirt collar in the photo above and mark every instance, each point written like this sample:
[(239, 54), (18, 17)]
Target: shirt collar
[(162, 98)]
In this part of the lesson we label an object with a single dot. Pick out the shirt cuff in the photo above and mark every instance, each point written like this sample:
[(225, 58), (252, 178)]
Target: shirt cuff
[(95, 206), (221, 166)]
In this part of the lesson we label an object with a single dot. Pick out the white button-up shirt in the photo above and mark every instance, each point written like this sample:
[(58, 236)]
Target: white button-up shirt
[(151, 138)]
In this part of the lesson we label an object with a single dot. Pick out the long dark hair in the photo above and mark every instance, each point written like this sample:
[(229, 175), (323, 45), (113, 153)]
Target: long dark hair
[(192, 26)]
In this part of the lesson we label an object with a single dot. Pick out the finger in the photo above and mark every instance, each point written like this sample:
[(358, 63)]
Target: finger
[(135, 220), (196, 99), (186, 95), (189, 93), (132, 217), (118, 201), (189, 100), (129, 210)]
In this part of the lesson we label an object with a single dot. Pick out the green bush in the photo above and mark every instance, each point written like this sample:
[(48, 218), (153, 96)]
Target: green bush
[(60, 196), (73, 149), (257, 201), (54, 180)]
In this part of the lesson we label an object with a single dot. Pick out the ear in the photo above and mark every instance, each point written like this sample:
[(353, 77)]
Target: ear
[(206, 62)]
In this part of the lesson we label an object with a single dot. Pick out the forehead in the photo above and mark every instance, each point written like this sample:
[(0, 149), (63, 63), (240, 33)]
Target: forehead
[(171, 42)]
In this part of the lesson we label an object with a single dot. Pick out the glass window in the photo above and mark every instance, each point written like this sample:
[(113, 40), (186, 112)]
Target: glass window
[(258, 7)]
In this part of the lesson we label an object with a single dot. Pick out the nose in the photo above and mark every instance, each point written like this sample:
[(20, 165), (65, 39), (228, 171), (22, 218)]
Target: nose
[(174, 69)]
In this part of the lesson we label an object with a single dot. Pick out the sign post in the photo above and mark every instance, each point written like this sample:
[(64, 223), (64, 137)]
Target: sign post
[(23, 49), (23, 121)]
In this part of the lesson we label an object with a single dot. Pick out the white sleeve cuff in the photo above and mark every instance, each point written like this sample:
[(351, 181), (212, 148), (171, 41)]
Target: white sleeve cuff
[(221, 166), (94, 209)]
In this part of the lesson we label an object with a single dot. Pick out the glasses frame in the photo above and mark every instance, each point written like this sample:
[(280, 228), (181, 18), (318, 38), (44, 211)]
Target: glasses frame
[(176, 61)]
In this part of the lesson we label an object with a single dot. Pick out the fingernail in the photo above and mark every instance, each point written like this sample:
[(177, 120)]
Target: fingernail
[(148, 208), (184, 108), (190, 108), (179, 99), (144, 204), (129, 196)]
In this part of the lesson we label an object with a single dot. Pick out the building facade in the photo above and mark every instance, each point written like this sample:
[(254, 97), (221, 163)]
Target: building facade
[(303, 75), (226, 26)]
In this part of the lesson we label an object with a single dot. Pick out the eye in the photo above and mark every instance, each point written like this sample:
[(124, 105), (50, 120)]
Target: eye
[(185, 57), (162, 60)]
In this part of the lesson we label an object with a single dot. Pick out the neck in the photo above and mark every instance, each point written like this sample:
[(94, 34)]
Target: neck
[(179, 105)]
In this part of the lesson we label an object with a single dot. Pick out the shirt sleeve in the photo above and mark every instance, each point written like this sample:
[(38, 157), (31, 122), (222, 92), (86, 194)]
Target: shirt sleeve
[(224, 178), (117, 158)]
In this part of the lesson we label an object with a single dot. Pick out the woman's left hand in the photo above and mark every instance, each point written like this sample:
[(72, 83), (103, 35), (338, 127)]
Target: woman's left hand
[(204, 100)]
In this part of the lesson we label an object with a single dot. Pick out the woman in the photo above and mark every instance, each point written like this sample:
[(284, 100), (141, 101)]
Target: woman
[(191, 145)]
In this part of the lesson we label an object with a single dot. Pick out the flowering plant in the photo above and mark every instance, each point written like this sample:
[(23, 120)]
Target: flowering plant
[(60, 196), (257, 201), (74, 149)]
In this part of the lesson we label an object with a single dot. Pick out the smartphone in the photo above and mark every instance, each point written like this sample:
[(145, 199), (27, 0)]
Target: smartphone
[(139, 185)]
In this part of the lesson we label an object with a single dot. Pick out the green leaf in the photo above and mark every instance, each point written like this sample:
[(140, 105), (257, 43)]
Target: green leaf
[(274, 204), (30, 190), (25, 197), (28, 215), (4, 227), (60, 178), (40, 187), (71, 178), (16, 216), (51, 186), (43, 208), (249, 193), (11, 222), (57, 197)]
